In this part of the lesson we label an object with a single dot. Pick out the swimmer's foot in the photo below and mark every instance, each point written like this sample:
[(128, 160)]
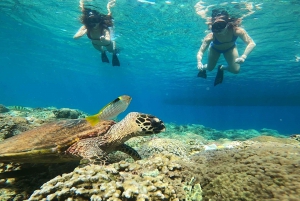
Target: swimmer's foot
[(104, 57), (115, 60), (219, 77), (202, 74)]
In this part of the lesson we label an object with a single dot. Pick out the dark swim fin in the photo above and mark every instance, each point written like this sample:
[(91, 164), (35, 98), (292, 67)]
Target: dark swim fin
[(104, 57), (202, 74), (115, 60), (219, 77)]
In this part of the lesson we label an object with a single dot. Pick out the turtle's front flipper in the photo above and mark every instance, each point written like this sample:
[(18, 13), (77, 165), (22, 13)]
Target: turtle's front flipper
[(128, 150), (88, 150)]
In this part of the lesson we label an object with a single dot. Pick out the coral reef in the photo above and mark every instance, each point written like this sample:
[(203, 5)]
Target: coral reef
[(295, 137), (160, 178), (10, 126), (28, 178), (261, 171), (264, 138), (163, 145), (193, 191), (264, 167), (213, 134), (3, 109), (19, 119), (68, 113)]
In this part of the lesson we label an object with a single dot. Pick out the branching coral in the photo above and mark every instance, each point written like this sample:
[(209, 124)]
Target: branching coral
[(157, 179)]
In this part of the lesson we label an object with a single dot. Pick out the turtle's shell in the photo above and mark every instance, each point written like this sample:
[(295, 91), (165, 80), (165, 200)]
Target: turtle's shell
[(48, 142)]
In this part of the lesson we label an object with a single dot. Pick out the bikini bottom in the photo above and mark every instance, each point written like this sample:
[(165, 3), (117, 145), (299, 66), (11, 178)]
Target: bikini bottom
[(222, 51)]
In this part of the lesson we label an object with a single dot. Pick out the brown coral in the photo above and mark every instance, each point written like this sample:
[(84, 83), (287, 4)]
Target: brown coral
[(265, 138), (160, 145), (160, 178), (263, 171)]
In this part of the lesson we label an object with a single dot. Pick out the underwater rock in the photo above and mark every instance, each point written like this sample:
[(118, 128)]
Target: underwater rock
[(210, 147), (10, 126), (67, 113), (295, 137), (3, 109)]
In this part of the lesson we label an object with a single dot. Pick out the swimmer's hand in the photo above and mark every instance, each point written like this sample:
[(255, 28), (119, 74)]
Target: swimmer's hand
[(102, 38), (201, 67), (241, 59)]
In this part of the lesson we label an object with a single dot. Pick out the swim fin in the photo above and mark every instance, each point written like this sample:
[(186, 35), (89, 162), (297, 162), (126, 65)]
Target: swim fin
[(219, 77), (104, 57), (115, 60), (202, 74)]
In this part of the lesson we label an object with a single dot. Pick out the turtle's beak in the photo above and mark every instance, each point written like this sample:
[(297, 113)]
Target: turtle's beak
[(158, 125)]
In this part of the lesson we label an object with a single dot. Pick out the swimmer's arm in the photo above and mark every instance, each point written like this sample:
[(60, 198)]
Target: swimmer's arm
[(106, 36), (110, 4), (205, 44), (80, 32), (248, 40), (81, 5)]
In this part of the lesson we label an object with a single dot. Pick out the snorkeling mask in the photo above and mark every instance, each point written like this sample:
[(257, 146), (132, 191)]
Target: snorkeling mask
[(93, 18), (218, 26)]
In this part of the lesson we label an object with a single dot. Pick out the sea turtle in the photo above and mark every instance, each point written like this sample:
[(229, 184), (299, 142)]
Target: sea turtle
[(76, 139)]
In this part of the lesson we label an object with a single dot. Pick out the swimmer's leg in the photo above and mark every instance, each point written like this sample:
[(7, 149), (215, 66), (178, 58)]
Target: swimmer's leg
[(230, 57), (104, 58), (213, 57)]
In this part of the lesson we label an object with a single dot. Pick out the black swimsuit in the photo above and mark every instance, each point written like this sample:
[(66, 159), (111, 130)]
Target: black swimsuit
[(89, 36)]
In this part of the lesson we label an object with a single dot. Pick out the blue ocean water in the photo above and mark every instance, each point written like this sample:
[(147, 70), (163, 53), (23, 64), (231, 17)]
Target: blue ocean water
[(42, 65)]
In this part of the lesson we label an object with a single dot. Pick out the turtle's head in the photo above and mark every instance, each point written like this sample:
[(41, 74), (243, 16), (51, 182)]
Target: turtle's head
[(134, 124), (149, 124)]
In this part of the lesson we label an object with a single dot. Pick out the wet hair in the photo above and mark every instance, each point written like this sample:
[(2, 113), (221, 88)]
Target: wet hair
[(219, 13), (222, 15), (89, 17)]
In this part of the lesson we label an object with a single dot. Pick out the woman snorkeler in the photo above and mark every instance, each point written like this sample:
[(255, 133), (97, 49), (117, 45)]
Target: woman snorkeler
[(96, 27), (221, 40)]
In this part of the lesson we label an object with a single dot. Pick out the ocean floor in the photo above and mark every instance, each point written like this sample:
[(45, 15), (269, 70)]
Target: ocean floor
[(186, 162)]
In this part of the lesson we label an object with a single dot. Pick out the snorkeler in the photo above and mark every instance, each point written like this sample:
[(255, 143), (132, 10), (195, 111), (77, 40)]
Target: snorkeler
[(222, 40), (96, 27)]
